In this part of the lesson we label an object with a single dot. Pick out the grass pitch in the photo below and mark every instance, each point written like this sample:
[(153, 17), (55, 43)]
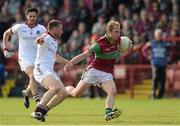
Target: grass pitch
[(81, 111)]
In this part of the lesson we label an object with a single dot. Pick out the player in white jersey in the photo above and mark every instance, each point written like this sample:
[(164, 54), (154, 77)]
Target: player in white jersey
[(27, 33), (43, 72)]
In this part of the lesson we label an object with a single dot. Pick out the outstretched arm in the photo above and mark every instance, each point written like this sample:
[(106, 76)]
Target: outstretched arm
[(77, 59), (81, 57), (60, 59)]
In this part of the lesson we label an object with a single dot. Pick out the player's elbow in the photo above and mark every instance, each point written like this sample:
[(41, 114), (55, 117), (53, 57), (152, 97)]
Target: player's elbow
[(7, 32)]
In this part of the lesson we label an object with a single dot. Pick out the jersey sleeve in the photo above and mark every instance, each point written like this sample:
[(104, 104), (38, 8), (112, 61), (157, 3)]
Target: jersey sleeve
[(95, 48), (40, 40), (43, 29), (15, 28), (47, 41)]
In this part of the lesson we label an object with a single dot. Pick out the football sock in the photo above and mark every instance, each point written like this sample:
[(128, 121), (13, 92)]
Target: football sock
[(108, 110), (36, 97), (42, 109)]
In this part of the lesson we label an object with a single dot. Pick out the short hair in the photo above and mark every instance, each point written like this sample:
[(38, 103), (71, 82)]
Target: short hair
[(111, 24), (32, 9), (53, 23), (157, 31)]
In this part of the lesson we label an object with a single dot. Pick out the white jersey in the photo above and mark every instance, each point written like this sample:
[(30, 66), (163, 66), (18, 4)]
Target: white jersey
[(27, 37), (46, 53)]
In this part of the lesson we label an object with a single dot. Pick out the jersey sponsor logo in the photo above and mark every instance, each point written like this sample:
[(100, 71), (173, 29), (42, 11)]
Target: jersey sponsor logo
[(24, 31), (107, 49), (29, 37), (113, 47)]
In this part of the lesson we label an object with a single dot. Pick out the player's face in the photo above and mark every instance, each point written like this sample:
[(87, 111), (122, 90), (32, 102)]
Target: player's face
[(59, 31), (115, 33), (32, 17)]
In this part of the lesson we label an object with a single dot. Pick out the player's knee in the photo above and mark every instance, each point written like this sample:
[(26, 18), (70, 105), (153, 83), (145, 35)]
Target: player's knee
[(55, 90), (64, 93), (112, 92), (115, 92), (76, 94), (61, 91)]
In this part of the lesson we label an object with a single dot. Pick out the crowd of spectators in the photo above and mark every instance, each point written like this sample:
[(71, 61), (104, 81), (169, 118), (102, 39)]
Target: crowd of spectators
[(85, 20)]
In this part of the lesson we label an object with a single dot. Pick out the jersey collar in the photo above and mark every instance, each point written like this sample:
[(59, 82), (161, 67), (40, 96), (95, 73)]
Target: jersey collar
[(51, 35), (30, 26), (110, 40)]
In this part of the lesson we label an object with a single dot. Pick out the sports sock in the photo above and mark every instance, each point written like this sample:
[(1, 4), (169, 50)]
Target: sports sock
[(36, 97), (108, 110), (42, 109)]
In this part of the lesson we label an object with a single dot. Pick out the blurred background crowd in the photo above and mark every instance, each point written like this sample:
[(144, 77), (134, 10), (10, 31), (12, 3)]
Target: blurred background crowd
[(85, 21)]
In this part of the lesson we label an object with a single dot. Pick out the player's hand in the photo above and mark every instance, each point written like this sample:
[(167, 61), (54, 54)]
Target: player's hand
[(68, 66), (40, 41), (131, 44), (8, 54)]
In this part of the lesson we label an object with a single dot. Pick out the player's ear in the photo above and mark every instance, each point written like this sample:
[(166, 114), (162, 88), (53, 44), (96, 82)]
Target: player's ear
[(40, 41)]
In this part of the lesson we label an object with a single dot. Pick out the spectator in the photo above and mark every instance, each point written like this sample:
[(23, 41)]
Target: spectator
[(14, 37), (65, 14), (13, 6), (159, 55), (75, 37), (5, 20), (82, 32), (83, 14), (137, 6), (99, 25)]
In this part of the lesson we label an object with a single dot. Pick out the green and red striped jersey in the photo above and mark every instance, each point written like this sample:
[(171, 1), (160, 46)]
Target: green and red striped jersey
[(106, 51)]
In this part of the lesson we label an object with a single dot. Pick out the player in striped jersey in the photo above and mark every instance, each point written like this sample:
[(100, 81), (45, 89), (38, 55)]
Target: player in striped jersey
[(99, 72)]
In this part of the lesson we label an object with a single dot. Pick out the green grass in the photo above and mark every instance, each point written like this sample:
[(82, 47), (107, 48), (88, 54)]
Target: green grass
[(91, 112)]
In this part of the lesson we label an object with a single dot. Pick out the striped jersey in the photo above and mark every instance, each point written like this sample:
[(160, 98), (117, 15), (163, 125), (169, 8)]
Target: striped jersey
[(106, 53)]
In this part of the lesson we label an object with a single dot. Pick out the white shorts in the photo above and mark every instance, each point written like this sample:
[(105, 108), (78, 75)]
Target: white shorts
[(25, 63), (95, 77), (39, 75)]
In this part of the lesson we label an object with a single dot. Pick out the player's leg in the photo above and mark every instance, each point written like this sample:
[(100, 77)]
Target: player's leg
[(32, 84), (79, 90), (86, 80), (59, 97), (110, 88), (54, 91), (26, 93), (155, 81), (162, 80)]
